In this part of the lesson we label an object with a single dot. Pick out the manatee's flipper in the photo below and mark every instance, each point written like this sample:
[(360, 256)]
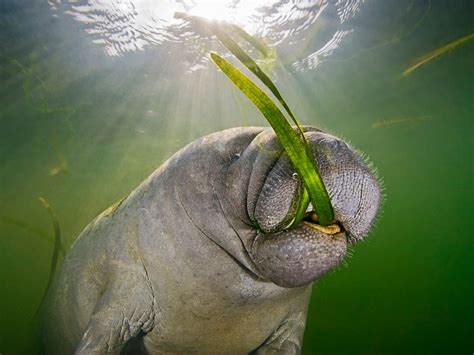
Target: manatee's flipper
[(125, 310), (287, 338)]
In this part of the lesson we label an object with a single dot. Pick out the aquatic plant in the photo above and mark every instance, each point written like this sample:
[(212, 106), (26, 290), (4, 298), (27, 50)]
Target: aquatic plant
[(295, 144), (400, 120), (37, 93), (56, 250), (31, 229), (437, 52)]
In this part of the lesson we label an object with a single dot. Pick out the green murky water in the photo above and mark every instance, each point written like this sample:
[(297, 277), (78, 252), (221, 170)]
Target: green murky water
[(85, 116)]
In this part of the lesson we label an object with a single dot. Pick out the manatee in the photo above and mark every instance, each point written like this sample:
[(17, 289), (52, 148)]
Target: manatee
[(202, 256)]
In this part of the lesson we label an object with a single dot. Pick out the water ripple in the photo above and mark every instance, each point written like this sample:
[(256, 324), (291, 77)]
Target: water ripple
[(122, 26)]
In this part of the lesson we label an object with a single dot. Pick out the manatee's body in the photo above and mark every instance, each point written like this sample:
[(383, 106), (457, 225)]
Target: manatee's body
[(176, 266)]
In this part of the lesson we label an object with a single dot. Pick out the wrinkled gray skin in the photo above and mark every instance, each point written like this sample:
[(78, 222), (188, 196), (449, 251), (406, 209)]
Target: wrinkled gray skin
[(196, 259)]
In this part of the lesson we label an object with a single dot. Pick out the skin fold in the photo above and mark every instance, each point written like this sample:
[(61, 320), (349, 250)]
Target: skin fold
[(198, 258)]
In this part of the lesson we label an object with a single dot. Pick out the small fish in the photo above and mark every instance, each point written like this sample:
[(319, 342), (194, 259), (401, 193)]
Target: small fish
[(399, 120), (437, 52), (61, 168), (62, 165), (57, 170)]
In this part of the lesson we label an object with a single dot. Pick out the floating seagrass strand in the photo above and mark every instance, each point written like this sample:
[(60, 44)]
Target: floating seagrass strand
[(220, 29), (294, 146)]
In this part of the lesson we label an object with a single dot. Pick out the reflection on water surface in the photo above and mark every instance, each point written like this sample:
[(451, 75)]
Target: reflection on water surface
[(124, 26)]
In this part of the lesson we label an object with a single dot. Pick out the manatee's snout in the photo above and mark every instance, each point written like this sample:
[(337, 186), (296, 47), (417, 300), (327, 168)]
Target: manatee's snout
[(351, 183), (294, 255)]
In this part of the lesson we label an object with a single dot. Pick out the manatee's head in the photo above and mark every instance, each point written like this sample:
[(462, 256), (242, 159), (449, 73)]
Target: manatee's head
[(264, 192)]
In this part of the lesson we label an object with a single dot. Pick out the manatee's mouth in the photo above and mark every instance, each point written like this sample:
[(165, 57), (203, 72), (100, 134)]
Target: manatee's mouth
[(292, 248), (295, 257), (300, 253), (311, 220)]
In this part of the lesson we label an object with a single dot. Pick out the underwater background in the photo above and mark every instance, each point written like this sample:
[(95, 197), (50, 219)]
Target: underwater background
[(96, 94)]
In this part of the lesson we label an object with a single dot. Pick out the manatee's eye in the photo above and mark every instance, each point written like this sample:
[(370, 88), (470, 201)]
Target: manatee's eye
[(234, 157)]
